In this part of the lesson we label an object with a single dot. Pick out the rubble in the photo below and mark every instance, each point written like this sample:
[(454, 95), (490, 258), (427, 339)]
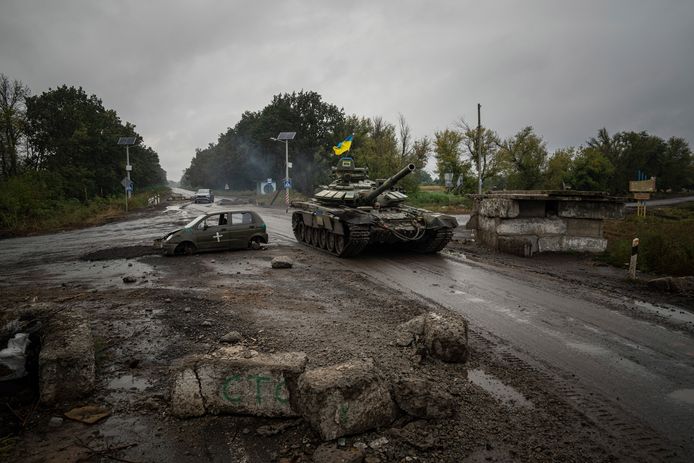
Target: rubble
[(328, 453), (423, 399), (443, 337), (345, 399), (282, 262), (232, 337)]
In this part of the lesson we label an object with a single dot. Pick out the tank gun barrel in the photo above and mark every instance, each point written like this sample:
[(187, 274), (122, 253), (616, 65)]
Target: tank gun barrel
[(390, 181)]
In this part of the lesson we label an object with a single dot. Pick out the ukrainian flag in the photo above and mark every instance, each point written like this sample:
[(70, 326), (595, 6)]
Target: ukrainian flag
[(343, 146)]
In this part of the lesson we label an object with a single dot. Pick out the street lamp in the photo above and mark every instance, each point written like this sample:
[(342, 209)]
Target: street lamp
[(285, 137), (126, 182)]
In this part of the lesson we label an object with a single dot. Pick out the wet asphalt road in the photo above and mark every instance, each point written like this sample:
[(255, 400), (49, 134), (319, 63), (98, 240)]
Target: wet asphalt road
[(632, 366)]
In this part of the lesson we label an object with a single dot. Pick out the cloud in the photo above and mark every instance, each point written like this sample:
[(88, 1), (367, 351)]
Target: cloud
[(185, 71)]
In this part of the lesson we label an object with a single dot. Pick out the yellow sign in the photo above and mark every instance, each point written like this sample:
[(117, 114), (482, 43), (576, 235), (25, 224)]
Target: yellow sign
[(642, 186), (642, 196)]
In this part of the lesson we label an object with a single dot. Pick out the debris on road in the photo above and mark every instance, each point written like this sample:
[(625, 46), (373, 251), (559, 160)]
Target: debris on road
[(232, 337), (442, 337), (282, 262), (129, 279), (423, 399), (89, 414)]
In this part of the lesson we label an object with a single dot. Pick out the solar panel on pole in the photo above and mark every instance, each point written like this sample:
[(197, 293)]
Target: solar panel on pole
[(286, 136)]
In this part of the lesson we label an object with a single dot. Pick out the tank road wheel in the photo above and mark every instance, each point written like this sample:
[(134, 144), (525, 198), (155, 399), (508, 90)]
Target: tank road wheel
[(299, 231), (340, 243), (330, 242), (323, 238), (315, 232)]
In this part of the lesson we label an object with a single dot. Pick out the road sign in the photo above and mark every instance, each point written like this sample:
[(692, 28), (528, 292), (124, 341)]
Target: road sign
[(287, 182), (126, 182), (129, 189), (642, 196), (642, 186), (290, 165)]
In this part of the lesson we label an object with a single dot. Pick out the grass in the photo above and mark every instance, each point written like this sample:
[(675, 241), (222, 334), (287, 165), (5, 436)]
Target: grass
[(440, 201), (21, 215), (666, 237)]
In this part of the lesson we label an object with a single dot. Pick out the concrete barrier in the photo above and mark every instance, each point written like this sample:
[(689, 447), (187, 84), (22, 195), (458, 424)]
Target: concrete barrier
[(66, 360), (345, 399), (237, 381)]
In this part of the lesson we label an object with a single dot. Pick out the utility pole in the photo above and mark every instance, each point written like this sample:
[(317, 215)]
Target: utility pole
[(126, 182), (285, 137), (479, 149)]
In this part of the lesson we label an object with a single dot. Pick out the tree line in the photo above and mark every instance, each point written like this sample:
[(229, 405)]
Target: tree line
[(245, 153), (61, 145), (522, 162)]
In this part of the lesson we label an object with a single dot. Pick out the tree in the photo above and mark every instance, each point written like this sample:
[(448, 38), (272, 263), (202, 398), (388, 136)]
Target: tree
[(12, 123), (676, 164), (448, 152), (557, 173), (483, 145), (72, 136), (245, 154), (524, 157), (591, 171)]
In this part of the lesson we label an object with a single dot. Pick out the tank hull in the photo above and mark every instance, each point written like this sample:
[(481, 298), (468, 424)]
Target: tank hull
[(346, 232)]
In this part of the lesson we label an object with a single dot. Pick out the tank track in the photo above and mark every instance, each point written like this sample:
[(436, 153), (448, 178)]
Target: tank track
[(356, 240), (434, 242)]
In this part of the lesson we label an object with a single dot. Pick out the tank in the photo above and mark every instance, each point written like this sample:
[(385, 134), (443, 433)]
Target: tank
[(353, 212)]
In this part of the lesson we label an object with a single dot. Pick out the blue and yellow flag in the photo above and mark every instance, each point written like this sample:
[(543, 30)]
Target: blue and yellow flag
[(343, 146)]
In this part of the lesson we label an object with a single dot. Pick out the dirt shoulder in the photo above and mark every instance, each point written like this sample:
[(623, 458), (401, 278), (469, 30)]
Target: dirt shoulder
[(506, 409)]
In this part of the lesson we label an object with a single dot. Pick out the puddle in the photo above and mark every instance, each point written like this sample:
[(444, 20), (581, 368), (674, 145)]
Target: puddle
[(129, 382), (671, 312), (683, 395), (506, 394)]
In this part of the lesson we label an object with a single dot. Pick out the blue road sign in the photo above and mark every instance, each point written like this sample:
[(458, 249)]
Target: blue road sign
[(287, 182)]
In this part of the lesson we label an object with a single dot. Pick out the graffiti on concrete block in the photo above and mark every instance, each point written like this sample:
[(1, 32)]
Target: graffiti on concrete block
[(277, 392)]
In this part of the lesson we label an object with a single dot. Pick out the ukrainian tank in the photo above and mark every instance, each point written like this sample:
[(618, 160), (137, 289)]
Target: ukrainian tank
[(354, 212)]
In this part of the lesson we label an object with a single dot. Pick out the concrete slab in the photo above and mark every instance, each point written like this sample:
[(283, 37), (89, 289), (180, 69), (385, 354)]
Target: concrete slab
[(235, 380), (345, 399), (66, 360)]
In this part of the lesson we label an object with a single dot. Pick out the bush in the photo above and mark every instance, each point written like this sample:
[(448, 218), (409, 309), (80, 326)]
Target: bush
[(438, 200), (666, 246)]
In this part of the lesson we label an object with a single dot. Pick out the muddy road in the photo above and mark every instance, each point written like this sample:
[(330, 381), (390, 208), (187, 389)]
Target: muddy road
[(612, 362)]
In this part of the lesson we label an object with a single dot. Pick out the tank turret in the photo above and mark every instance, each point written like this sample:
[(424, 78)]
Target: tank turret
[(354, 212)]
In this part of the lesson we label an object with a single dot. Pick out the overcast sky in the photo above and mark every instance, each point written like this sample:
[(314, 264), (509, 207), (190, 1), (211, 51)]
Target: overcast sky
[(183, 72)]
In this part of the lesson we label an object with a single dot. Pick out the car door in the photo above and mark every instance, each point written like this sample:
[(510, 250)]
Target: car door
[(242, 228), (213, 233)]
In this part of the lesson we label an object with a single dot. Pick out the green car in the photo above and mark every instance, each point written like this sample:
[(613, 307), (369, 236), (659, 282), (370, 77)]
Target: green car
[(219, 231)]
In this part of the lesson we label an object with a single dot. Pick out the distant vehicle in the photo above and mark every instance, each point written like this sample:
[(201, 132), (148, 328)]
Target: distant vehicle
[(203, 195), (216, 232)]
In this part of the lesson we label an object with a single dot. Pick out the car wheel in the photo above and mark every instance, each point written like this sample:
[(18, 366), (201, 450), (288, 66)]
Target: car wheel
[(254, 244), (187, 249)]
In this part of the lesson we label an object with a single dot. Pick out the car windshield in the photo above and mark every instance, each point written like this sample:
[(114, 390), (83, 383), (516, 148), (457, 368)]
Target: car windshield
[(192, 223)]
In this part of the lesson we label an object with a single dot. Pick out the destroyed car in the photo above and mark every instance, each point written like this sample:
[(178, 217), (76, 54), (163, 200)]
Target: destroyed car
[(203, 196), (216, 232)]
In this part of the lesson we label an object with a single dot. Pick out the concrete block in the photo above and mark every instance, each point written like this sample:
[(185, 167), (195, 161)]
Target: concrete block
[(529, 208), (235, 380), (591, 210), (345, 399), (532, 226), (498, 207), (550, 244), (186, 398), (524, 246), (445, 337), (584, 227), (583, 244), (66, 360)]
